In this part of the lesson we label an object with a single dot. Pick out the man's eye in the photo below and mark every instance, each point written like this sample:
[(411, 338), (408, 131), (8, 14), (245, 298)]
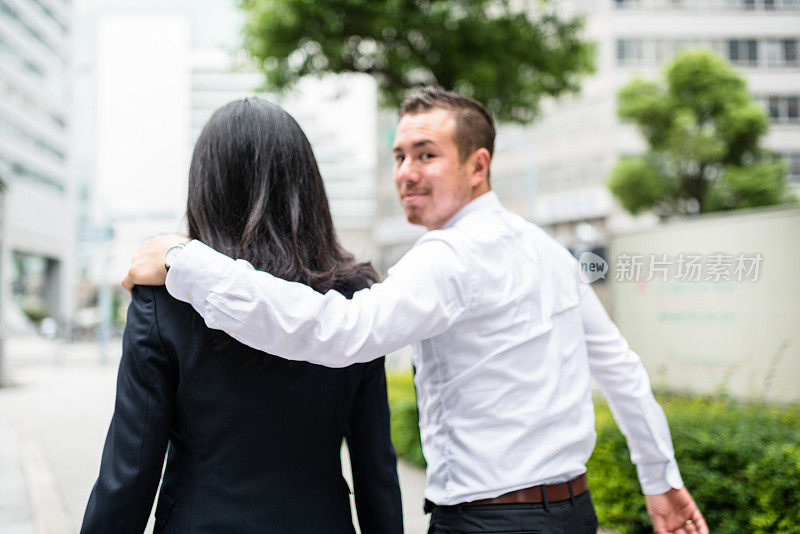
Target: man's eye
[(399, 158), (426, 155)]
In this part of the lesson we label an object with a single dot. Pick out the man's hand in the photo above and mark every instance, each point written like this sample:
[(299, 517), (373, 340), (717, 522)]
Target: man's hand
[(675, 511), (147, 267)]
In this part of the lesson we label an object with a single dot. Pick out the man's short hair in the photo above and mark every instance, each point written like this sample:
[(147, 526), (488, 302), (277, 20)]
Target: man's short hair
[(474, 123)]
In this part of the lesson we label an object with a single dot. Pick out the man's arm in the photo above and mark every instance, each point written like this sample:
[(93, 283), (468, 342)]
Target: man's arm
[(423, 295), (620, 373)]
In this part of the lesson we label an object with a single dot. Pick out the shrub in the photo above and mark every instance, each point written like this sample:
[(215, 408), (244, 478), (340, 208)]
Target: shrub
[(741, 461), (405, 418)]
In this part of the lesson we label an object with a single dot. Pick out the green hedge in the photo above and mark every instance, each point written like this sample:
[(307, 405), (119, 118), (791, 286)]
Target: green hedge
[(740, 461), (405, 417)]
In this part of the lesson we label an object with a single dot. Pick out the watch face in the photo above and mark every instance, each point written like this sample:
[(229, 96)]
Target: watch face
[(172, 255)]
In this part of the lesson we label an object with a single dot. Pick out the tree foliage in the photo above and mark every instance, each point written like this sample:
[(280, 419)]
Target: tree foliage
[(703, 129), (506, 54)]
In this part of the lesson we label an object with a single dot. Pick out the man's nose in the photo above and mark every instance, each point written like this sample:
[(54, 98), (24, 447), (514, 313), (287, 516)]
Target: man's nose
[(405, 172)]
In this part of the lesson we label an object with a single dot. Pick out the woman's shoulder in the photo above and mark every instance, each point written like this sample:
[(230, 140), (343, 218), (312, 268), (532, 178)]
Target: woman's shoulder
[(153, 295), (156, 304), (354, 282)]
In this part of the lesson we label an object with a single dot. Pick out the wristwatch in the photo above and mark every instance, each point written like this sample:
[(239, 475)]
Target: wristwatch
[(172, 255)]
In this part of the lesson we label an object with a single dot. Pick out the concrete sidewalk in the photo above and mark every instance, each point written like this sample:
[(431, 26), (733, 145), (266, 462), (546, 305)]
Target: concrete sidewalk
[(53, 422)]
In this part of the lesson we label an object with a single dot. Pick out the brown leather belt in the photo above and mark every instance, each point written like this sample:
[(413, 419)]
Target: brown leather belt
[(552, 492)]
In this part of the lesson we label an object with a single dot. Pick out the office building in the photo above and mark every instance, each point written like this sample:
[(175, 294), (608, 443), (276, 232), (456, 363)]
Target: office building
[(152, 73), (579, 139), (36, 217), (554, 172)]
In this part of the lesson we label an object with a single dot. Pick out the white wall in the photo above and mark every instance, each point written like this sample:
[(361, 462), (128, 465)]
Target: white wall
[(708, 335), (142, 113)]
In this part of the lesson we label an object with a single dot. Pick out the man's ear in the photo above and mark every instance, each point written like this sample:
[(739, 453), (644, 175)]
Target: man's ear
[(479, 163)]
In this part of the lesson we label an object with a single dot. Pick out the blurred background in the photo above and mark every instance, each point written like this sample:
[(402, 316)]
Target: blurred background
[(641, 131)]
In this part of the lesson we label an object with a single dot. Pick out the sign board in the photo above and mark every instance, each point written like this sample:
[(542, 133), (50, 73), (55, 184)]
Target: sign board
[(711, 304)]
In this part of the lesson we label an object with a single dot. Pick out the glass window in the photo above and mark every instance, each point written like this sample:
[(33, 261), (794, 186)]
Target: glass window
[(790, 51), (774, 107), (629, 51), (775, 53), (794, 166), (792, 105), (752, 51), (733, 50)]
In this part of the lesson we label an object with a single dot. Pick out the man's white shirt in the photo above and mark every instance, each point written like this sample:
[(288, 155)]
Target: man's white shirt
[(504, 336)]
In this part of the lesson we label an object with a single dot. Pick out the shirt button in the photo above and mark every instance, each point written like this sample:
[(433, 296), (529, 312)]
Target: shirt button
[(658, 475), (189, 297)]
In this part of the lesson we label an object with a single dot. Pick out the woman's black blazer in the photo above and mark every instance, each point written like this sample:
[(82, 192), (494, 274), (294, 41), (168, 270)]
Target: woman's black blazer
[(250, 448)]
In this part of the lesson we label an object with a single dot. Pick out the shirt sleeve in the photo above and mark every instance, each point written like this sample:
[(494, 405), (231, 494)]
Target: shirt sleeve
[(624, 380), (428, 290), (137, 439)]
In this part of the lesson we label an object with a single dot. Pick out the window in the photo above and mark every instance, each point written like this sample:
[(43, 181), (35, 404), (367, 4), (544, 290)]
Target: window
[(792, 108), (774, 53), (717, 5), (733, 51), (629, 51), (783, 109), (790, 50), (781, 52), (24, 173), (752, 51), (774, 108), (793, 166), (743, 51), (7, 10)]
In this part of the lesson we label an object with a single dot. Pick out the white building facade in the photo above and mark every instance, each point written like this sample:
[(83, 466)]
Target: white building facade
[(579, 139), (152, 73), (337, 113), (37, 211)]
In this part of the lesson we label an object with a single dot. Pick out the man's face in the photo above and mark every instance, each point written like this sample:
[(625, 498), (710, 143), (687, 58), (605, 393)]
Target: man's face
[(431, 181)]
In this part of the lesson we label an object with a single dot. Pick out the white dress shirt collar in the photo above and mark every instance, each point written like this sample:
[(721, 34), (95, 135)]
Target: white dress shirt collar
[(485, 201)]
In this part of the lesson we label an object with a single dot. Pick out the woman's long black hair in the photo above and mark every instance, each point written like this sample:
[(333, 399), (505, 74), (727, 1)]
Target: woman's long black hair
[(255, 193)]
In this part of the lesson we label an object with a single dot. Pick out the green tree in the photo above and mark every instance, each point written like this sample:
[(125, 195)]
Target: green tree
[(505, 56), (703, 129)]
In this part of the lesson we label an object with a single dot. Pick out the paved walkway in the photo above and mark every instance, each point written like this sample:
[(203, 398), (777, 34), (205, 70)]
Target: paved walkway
[(53, 421)]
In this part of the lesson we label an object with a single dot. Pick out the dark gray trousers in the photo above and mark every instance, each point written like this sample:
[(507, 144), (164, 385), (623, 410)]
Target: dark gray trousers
[(559, 517)]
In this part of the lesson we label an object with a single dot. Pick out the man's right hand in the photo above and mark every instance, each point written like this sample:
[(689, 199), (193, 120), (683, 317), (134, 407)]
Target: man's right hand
[(147, 267), (675, 512)]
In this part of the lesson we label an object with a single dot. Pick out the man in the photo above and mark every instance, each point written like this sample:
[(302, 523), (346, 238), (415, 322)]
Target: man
[(503, 332)]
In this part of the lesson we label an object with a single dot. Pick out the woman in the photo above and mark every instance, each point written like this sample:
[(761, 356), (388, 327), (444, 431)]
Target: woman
[(253, 441)]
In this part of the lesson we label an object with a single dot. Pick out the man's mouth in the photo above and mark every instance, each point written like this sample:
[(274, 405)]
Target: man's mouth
[(413, 194)]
